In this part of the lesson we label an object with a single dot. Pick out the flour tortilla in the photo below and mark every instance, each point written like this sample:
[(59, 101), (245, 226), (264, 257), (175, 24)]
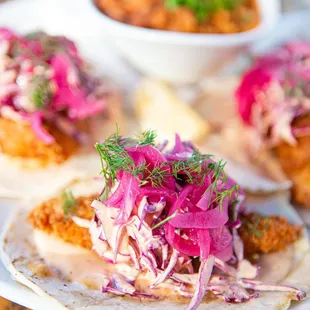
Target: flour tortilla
[(18, 251), (245, 171), (19, 182)]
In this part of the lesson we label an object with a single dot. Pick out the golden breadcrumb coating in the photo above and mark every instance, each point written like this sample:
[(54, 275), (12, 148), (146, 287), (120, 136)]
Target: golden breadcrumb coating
[(49, 217), (17, 139), (260, 234), (264, 234), (295, 161)]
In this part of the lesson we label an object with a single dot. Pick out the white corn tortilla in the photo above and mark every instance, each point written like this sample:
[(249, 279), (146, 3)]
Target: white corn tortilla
[(18, 250), (17, 182), (246, 173)]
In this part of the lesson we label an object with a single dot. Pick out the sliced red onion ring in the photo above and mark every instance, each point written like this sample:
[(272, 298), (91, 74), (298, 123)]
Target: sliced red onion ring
[(131, 185), (208, 219)]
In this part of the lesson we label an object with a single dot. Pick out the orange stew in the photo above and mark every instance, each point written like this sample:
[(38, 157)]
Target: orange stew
[(157, 15)]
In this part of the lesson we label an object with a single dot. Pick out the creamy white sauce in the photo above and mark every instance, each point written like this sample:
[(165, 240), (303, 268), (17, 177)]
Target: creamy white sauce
[(86, 267), (78, 264)]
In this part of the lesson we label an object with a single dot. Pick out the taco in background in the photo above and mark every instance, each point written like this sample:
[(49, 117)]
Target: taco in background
[(273, 100), (169, 228), (50, 107)]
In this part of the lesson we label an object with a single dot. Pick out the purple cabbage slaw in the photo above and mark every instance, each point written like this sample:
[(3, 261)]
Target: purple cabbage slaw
[(170, 209), (275, 92), (43, 78)]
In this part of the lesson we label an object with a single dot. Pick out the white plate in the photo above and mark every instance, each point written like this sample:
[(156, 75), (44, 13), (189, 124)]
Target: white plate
[(29, 15)]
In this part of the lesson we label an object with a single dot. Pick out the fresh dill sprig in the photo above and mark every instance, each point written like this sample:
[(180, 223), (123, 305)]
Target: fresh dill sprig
[(69, 203), (114, 157), (225, 194), (218, 176), (193, 168), (253, 226), (156, 176), (167, 219), (148, 137), (41, 92)]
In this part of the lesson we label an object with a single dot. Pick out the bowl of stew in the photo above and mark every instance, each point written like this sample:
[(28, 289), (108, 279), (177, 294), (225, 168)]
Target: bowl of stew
[(182, 40)]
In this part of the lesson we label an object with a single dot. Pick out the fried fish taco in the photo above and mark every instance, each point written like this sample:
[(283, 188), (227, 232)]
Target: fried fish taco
[(273, 100), (50, 106), (170, 229)]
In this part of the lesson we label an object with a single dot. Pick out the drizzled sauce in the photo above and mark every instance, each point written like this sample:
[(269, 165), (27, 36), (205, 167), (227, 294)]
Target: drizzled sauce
[(86, 267)]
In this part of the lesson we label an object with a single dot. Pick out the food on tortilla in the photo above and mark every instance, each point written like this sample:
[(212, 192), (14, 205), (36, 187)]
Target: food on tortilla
[(159, 107), (51, 108), (19, 140), (172, 217), (294, 159), (47, 97), (273, 99), (260, 234), (55, 217), (264, 234)]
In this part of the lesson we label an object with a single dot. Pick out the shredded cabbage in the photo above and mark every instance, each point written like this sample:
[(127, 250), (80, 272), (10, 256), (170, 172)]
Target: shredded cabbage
[(275, 92), (175, 208)]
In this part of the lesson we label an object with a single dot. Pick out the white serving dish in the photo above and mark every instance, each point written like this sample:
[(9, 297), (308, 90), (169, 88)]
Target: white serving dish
[(181, 57)]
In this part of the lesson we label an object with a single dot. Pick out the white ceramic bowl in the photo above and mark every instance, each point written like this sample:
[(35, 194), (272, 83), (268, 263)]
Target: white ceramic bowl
[(182, 57)]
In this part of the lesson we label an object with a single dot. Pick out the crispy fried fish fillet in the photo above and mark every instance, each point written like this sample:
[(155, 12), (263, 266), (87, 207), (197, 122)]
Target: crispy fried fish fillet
[(295, 161), (17, 139), (264, 234), (260, 234), (49, 217)]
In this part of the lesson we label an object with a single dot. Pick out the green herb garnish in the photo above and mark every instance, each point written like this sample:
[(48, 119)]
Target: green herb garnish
[(203, 8), (193, 168), (41, 92), (219, 176), (69, 203), (148, 137), (254, 227), (156, 176), (167, 219), (114, 157)]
